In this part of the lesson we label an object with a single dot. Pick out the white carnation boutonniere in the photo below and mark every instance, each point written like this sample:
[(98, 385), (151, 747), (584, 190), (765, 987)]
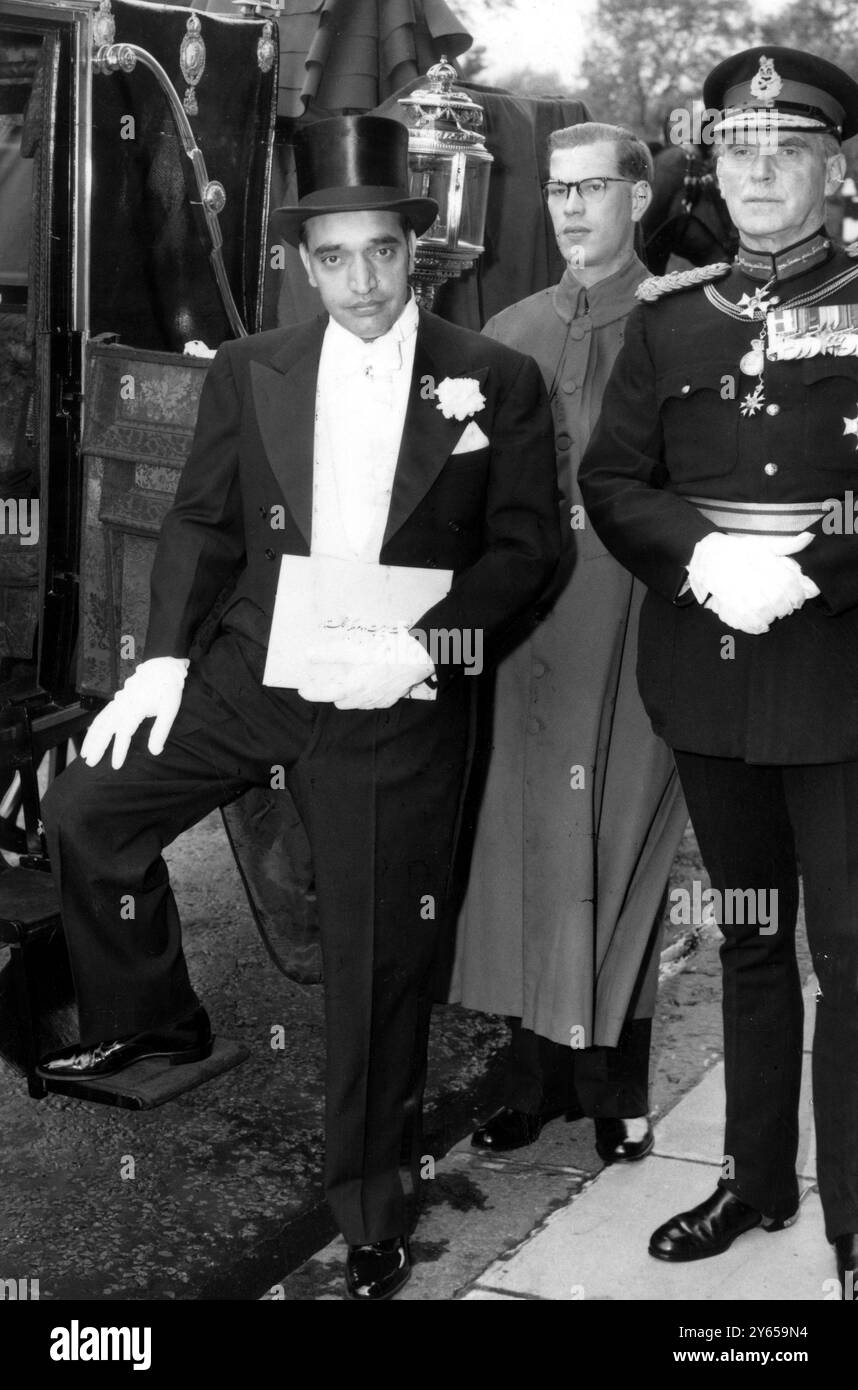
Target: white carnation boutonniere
[(458, 397)]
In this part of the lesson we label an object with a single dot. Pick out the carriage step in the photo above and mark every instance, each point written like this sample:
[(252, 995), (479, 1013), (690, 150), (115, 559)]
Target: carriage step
[(38, 1013), (153, 1081), (37, 1009)]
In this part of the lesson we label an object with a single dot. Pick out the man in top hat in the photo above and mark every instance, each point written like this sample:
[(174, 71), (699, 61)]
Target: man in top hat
[(374, 436), (718, 474)]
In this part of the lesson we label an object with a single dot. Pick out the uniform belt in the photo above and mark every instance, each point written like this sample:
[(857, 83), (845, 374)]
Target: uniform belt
[(761, 518)]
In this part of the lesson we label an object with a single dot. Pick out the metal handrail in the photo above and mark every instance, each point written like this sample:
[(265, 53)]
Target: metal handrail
[(123, 57)]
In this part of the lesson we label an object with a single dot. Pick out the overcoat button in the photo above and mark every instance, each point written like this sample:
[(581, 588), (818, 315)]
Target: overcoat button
[(686, 388), (563, 441), (269, 554), (770, 469), (569, 387), (773, 409)]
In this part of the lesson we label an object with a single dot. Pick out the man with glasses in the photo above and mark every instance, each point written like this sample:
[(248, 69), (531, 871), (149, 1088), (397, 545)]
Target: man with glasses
[(722, 474), (581, 811)]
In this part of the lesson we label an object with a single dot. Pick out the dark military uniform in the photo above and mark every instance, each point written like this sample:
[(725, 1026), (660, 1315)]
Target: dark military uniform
[(765, 727)]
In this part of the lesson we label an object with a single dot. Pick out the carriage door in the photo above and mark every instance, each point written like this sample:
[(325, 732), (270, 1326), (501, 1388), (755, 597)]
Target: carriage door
[(44, 125)]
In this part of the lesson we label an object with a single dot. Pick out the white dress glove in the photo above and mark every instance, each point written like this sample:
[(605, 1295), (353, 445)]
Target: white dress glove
[(367, 669), (153, 691), (749, 581)]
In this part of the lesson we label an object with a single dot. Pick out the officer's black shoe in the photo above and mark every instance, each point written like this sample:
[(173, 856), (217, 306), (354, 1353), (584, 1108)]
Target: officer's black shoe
[(711, 1228), (847, 1265), (377, 1271), (624, 1141), (188, 1040)]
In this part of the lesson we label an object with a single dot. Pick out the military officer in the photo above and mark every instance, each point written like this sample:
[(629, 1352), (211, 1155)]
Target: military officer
[(722, 474)]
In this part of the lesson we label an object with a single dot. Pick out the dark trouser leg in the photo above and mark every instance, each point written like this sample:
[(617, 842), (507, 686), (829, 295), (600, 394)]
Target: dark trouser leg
[(823, 803), (613, 1082), (608, 1082), (536, 1072), (380, 793), (107, 828), (740, 817)]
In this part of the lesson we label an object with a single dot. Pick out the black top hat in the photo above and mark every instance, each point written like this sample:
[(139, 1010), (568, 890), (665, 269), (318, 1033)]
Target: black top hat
[(352, 164), (784, 89)]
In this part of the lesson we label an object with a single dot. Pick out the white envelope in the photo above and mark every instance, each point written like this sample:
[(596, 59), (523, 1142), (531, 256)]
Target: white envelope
[(472, 438), (322, 599)]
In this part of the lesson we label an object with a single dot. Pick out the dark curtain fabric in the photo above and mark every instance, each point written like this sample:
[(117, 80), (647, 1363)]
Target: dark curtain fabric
[(347, 55), (152, 280)]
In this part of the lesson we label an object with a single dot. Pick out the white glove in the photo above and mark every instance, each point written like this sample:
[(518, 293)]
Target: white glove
[(367, 669), (749, 581), (153, 691)]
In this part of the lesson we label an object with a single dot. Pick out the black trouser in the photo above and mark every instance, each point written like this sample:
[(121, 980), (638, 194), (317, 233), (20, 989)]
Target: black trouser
[(608, 1082), (754, 825), (379, 793)]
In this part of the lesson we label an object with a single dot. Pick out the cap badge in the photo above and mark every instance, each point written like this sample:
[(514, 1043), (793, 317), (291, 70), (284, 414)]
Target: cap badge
[(766, 84)]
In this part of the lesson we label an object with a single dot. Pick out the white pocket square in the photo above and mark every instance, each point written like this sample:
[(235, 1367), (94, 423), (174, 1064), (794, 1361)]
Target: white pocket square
[(471, 438)]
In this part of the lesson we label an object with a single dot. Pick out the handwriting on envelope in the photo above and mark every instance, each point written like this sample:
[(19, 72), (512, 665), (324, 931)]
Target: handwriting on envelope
[(328, 609)]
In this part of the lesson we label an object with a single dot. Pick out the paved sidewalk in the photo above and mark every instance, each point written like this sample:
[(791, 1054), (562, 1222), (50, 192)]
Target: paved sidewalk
[(546, 1223)]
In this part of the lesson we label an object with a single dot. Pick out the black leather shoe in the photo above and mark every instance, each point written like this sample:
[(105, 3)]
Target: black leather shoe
[(508, 1129), (711, 1228), (615, 1145), (847, 1265), (377, 1271), (514, 1129), (188, 1040)]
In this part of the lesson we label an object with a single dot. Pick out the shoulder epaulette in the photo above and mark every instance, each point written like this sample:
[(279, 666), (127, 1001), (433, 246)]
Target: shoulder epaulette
[(657, 285)]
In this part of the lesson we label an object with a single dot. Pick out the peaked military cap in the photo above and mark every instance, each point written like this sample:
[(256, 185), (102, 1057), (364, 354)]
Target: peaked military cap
[(774, 88)]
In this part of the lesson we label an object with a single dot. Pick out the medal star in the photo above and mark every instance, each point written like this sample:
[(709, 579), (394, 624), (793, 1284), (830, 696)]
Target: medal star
[(851, 427), (754, 305), (754, 402)]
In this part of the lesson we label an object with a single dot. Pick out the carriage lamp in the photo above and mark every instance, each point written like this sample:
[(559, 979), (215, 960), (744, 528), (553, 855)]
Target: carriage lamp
[(448, 161)]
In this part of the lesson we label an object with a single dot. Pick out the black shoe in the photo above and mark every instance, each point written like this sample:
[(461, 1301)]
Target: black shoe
[(508, 1129), (188, 1040), (711, 1228), (377, 1271), (613, 1144), (514, 1129), (847, 1265)]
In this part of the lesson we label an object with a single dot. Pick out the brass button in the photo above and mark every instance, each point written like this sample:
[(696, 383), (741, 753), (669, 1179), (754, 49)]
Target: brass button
[(773, 409), (686, 388), (770, 469)]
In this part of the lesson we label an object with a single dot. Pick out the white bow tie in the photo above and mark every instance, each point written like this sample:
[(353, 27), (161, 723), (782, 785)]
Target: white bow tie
[(373, 360)]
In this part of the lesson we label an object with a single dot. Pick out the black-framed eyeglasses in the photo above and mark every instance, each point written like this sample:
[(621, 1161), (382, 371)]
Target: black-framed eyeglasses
[(591, 190)]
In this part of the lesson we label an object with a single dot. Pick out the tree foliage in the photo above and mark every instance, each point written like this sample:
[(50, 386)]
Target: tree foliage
[(826, 27), (642, 62)]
